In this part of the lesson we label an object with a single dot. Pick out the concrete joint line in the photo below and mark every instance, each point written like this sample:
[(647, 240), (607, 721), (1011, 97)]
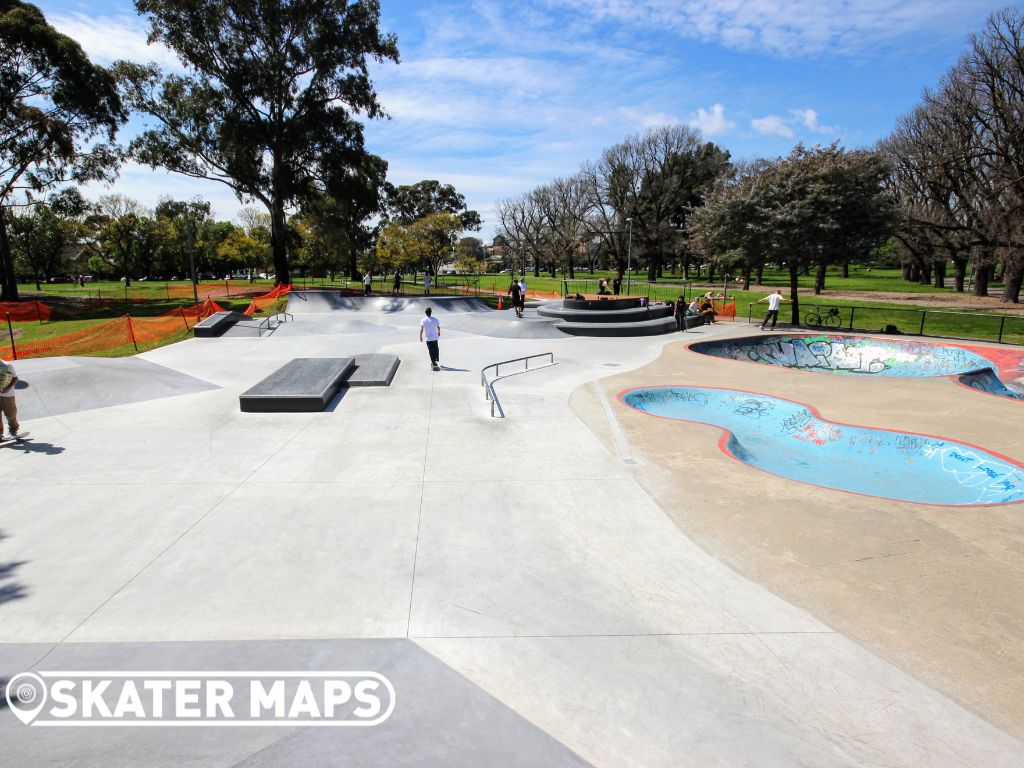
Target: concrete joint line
[(419, 516), (618, 437)]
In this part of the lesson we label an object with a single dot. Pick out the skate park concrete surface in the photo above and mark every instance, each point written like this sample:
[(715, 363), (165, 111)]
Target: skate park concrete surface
[(576, 584)]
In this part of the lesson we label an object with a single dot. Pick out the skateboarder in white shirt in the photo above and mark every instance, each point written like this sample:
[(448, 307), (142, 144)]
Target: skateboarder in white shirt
[(430, 327), (774, 302)]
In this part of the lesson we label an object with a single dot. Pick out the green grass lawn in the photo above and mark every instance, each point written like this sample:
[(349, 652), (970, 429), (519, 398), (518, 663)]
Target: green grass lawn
[(149, 299)]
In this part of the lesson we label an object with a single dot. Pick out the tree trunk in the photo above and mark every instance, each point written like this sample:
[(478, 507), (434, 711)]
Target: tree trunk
[(940, 273), (686, 267), (652, 268), (819, 279), (846, 268), (1012, 280), (907, 272), (959, 272), (278, 242), (746, 277), (981, 278), (925, 275), (572, 270), (760, 275), (711, 273), (8, 282), (794, 283)]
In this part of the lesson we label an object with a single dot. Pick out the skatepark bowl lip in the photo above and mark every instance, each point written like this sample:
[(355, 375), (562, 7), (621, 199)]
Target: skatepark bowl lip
[(957, 377), (728, 435)]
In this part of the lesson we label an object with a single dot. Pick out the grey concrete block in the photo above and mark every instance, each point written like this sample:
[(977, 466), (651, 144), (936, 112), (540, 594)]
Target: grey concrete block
[(303, 385), (640, 328), (373, 370), (217, 323)]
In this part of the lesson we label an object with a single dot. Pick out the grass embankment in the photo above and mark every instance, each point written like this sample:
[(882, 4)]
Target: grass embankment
[(32, 331)]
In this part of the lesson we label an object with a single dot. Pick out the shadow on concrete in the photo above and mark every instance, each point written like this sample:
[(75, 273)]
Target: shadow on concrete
[(336, 400), (449, 368), (10, 590), (31, 446)]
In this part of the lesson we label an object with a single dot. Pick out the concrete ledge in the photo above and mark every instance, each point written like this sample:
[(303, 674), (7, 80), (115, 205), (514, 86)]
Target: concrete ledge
[(305, 384), (592, 301), (374, 370), (609, 315), (641, 328), (217, 323)]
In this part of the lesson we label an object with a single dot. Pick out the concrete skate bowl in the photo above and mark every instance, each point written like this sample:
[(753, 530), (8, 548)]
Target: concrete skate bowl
[(791, 440), (324, 312), (989, 370)]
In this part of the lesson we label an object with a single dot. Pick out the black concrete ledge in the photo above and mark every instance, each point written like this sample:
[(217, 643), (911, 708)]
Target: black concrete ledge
[(627, 315), (217, 323), (641, 328), (306, 384), (609, 302)]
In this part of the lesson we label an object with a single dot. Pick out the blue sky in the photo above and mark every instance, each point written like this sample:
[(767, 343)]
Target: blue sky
[(498, 97)]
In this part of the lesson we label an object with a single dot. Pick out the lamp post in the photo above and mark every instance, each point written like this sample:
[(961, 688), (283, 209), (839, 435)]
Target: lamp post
[(191, 256), (629, 255)]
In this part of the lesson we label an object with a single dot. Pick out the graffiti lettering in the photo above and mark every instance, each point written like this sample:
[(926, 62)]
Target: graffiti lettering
[(852, 354), (796, 422), (753, 409)]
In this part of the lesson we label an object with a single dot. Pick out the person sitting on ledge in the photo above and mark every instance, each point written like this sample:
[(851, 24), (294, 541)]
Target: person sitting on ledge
[(707, 308), (602, 288)]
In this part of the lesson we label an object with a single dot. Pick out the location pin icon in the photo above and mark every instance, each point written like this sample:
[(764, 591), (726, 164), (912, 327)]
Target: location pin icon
[(26, 695)]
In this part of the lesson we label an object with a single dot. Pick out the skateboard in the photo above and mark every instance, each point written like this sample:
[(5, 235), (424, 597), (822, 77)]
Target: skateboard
[(23, 438)]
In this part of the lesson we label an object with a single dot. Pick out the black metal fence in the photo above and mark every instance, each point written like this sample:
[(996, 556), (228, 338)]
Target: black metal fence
[(967, 326), (462, 285)]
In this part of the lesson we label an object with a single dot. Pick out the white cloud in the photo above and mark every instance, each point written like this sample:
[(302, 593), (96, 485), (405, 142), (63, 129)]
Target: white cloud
[(712, 123), (645, 118), (108, 38), (785, 27), (772, 125), (809, 118)]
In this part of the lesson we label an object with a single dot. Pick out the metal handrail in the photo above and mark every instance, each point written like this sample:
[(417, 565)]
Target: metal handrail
[(488, 385), (267, 321)]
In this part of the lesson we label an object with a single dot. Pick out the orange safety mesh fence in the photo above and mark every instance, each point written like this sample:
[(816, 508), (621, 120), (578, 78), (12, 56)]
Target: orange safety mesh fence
[(259, 302), (149, 330), (111, 334), (723, 309), (210, 290), (106, 335), (22, 311)]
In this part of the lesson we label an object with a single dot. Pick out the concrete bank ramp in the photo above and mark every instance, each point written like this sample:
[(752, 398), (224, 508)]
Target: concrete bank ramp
[(312, 302), (51, 386), (501, 325)]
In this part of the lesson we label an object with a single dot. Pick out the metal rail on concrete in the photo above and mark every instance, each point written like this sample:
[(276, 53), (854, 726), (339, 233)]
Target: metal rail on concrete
[(488, 384), (268, 322)]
